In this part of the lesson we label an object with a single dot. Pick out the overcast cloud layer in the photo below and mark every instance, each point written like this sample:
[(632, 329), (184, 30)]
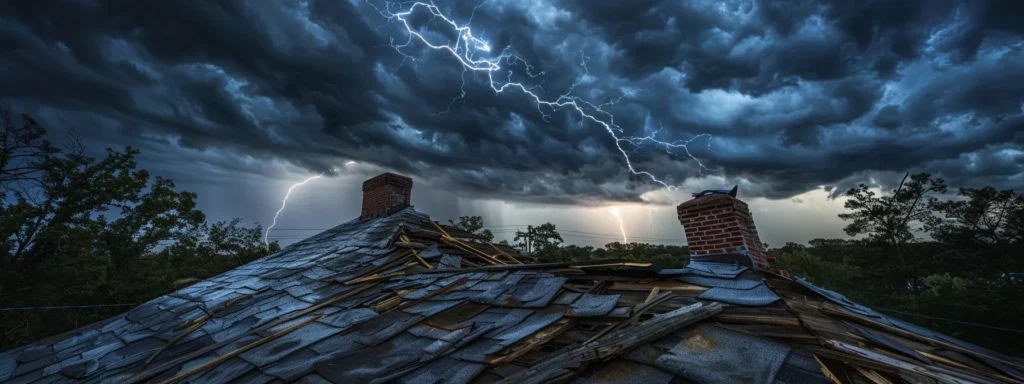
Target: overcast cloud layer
[(797, 95)]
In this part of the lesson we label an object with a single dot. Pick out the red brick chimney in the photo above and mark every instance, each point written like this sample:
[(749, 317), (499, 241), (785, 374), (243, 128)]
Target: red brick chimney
[(385, 194), (720, 223)]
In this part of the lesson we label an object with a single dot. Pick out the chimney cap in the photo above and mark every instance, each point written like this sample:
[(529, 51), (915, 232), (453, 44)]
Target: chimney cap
[(731, 192)]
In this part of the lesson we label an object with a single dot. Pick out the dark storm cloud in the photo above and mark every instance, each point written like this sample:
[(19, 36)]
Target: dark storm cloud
[(796, 94)]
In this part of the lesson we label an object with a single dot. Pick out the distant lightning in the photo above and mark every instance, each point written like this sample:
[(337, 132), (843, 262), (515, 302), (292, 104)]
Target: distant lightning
[(615, 212), (465, 49), (650, 217), (285, 202)]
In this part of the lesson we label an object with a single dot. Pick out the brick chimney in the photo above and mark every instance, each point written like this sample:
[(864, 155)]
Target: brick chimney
[(385, 194), (719, 223)]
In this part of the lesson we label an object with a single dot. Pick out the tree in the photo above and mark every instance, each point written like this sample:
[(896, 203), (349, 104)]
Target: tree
[(474, 225), (985, 216), (985, 226), (895, 219), (541, 238), (21, 148), (78, 229), (833, 250)]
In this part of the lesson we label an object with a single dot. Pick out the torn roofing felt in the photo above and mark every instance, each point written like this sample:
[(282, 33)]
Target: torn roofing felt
[(401, 298)]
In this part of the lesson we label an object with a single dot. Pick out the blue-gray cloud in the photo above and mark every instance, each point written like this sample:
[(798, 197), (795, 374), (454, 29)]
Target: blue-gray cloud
[(796, 94)]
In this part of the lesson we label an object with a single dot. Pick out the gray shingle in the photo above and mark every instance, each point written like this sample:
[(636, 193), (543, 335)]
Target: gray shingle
[(366, 364), (566, 298), (746, 280), (720, 270), (285, 345), (715, 355), (347, 318), (758, 296), (293, 366), (594, 305), (450, 262), (385, 327), (429, 252), (431, 307), (542, 292), (528, 326)]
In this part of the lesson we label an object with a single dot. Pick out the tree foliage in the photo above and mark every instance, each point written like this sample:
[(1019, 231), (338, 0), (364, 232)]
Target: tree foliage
[(538, 239), (983, 226), (474, 225), (660, 256), (895, 219), (82, 230), (963, 251)]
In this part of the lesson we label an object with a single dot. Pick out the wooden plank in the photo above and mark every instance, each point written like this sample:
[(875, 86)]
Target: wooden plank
[(836, 311), (933, 371), (790, 334), (613, 344), (966, 367), (661, 285), (875, 377), (654, 292), (534, 341), (755, 319)]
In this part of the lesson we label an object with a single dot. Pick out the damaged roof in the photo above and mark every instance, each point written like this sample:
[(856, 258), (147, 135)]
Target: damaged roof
[(403, 299)]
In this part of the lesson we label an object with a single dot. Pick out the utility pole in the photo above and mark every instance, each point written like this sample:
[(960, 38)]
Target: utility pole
[(528, 236)]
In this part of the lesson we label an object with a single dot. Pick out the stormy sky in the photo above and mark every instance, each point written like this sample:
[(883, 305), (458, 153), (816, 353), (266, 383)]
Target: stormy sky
[(237, 100)]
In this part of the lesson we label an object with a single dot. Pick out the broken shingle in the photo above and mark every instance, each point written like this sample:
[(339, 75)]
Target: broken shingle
[(715, 355), (284, 345), (430, 308), (450, 262), (594, 305), (746, 280), (543, 291), (720, 270), (758, 296), (348, 318), (566, 298), (528, 326), (366, 364), (385, 327)]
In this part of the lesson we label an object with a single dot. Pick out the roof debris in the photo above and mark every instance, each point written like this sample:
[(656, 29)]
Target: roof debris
[(404, 299)]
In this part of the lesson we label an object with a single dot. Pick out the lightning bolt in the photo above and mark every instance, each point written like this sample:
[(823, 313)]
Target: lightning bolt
[(615, 212), (650, 217), (284, 202), (467, 49)]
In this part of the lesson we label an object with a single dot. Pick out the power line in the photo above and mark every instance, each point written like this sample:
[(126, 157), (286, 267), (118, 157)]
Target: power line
[(68, 306), (952, 321)]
